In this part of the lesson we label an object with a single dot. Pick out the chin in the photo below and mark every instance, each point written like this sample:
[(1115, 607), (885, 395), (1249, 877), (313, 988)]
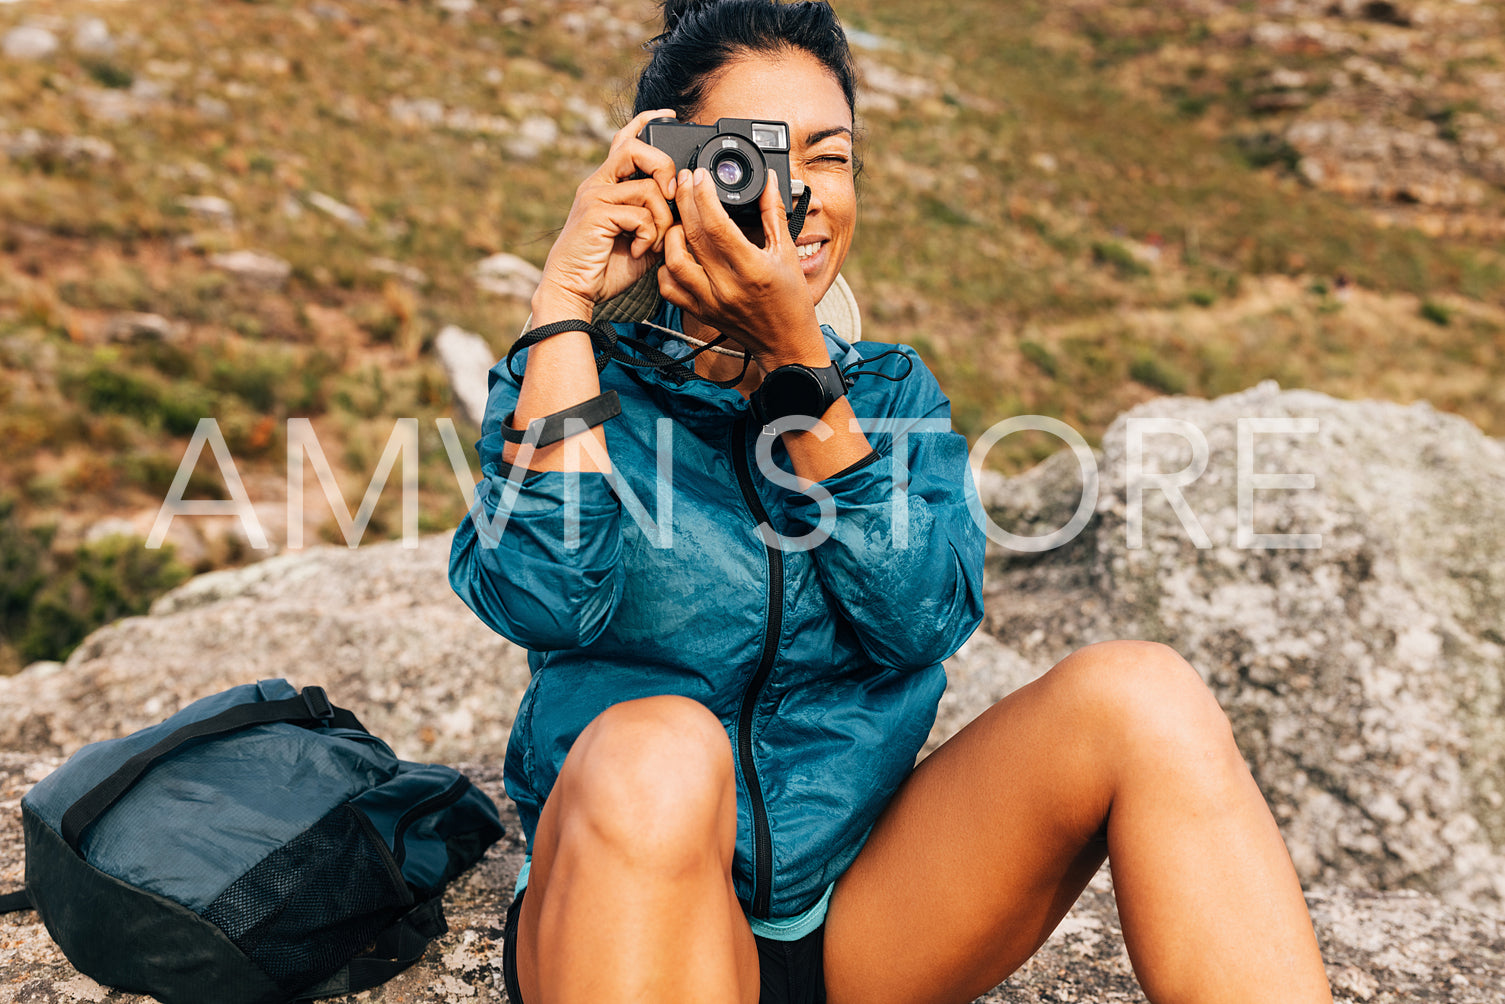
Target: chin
[(819, 285)]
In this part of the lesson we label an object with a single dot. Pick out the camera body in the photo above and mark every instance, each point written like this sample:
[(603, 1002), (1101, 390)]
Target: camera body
[(737, 153)]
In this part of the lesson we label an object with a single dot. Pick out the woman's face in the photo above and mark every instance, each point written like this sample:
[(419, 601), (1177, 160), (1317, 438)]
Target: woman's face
[(796, 88)]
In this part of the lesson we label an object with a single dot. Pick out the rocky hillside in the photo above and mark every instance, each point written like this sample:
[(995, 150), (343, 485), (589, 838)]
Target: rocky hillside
[(264, 211), (1363, 678)]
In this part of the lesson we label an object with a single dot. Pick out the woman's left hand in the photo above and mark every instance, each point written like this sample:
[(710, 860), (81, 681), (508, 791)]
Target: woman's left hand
[(756, 296)]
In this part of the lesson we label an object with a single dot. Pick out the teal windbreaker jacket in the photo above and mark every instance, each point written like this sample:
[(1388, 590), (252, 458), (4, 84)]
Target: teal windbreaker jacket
[(823, 662)]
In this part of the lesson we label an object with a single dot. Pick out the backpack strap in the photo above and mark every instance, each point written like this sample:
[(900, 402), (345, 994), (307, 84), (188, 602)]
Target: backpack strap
[(11, 902), (396, 948), (310, 709)]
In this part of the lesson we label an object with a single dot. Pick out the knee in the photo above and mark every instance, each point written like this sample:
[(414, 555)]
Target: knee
[(1145, 697), (652, 778)]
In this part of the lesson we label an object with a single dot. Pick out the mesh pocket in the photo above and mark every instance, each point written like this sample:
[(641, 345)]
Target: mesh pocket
[(314, 902)]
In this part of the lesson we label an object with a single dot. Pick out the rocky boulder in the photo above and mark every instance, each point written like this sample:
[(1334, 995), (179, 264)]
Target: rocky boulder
[(1351, 628), (377, 627)]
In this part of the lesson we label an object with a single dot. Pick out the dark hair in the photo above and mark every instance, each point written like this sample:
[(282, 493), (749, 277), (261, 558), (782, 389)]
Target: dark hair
[(701, 37)]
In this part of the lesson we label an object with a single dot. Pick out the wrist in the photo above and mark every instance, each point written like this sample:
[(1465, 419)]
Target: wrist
[(807, 351), (550, 303)]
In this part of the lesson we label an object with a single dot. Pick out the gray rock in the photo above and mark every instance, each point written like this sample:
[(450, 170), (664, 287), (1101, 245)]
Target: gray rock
[(593, 120), (506, 274), (378, 627), (110, 105), (29, 144), (1364, 677), (333, 207), (211, 208), (114, 526), (91, 37), (466, 359), (211, 108), (254, 268), (28, 42), (133, 327), (535, 135), (410, 274), (425, 112)]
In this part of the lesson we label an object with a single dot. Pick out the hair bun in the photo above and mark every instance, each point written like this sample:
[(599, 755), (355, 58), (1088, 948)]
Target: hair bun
[(675, 11)]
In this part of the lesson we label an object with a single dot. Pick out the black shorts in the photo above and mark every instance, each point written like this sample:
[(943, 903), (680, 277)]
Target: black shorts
[(791, 972)]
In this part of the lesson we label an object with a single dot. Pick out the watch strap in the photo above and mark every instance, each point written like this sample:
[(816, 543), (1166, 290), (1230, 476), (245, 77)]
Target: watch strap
[(832, 381)]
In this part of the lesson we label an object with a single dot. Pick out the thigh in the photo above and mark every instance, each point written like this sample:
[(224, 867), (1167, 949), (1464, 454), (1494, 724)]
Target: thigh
[(631, 862), (981, 852)]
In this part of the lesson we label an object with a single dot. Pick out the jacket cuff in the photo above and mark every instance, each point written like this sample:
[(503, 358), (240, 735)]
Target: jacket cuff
[(868, 484)]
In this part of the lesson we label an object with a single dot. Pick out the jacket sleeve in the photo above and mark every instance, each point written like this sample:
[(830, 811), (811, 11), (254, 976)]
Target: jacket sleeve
[(904, 557), (538, 556)]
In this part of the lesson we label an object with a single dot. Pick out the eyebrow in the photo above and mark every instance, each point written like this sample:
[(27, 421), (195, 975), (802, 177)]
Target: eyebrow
[(816, 137)]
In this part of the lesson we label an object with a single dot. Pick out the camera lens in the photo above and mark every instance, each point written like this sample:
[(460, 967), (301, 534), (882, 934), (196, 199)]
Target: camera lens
[(732, 170), (738, 169), (731, 173)]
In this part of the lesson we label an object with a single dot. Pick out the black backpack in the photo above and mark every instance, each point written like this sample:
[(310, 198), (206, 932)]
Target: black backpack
[(259, 846)]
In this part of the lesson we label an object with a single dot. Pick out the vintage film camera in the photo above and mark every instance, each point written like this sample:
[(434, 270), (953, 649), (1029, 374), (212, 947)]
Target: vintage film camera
[(737, 153)]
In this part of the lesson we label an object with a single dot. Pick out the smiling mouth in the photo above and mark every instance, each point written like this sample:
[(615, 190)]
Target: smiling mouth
[(806, 251)]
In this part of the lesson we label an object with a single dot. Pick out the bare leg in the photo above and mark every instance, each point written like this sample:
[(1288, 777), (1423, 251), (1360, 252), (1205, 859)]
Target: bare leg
[(630, 895), (1118, 750)]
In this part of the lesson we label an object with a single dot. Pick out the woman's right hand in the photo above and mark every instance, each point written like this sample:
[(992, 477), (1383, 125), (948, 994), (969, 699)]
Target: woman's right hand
[(615, 227)]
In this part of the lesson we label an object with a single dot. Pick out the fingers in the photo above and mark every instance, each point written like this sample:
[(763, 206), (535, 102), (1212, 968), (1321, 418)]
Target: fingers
[(775, 217), (638, 222), (643, 193), (682, 281), (675, 292), (630, 156), (709, 231)]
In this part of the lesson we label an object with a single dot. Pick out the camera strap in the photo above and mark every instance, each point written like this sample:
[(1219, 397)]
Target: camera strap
[(797, 214)]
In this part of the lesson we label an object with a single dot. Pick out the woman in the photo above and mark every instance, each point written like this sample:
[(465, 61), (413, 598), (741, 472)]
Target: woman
[(712, 762)]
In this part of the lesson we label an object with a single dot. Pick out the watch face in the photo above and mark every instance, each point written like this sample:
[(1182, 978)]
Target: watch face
[(793, 390)]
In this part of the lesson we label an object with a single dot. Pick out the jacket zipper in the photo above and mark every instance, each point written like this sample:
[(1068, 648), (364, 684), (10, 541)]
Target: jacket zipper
[(773, 625)]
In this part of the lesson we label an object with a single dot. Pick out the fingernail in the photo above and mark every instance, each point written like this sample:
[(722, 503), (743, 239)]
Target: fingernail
[(684, 177), (701, 174)]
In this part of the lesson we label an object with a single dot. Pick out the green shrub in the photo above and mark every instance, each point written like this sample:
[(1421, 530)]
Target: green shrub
[(1156, 373), (23, 569), (1436, 313), (107, 74), (1267, 149), (154, 472), (99, 583), (1040, 356), (109, 388), (1117, 256)]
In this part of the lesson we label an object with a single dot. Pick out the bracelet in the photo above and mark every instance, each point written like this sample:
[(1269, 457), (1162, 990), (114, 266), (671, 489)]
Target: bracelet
[(552, 428), (603, 340)]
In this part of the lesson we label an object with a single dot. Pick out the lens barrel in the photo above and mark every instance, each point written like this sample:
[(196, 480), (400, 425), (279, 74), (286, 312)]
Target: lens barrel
[(737, 167)]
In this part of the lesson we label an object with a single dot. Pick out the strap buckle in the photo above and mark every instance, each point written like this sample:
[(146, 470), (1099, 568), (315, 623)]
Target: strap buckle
[(318, 703)]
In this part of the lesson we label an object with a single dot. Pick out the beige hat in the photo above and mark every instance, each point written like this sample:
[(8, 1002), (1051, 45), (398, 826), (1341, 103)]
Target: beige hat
[(838, 308)]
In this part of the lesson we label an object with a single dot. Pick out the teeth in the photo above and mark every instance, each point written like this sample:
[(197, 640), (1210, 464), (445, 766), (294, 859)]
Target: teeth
[(807, 250)]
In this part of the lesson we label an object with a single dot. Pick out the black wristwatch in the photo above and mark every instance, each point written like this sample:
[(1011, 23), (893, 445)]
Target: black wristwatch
[(798, 390)]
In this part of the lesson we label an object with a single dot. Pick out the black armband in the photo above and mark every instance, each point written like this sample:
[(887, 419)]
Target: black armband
[(551, 429)]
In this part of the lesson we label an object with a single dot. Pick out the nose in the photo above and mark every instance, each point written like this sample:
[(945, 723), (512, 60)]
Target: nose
[(815, 205)]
